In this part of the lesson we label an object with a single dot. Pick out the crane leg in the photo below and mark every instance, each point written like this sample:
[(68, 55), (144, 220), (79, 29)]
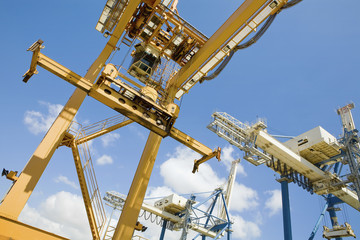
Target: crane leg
[(163, 229), (125, 227), (17, 197), (286, 209)]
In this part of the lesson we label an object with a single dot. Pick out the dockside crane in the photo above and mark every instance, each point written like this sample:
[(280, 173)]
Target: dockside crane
[(313, 160), (176, 213), (168, 57)]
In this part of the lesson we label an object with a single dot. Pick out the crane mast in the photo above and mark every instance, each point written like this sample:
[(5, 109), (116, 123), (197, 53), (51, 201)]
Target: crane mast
[(351, 150), (311, 160), (229, 187), (168, 57), (178, 213)]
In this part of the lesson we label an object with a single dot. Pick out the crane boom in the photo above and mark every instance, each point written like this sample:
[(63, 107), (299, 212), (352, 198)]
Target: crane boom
[(239, 25), (229, 187), (254, 138), (144, 93)]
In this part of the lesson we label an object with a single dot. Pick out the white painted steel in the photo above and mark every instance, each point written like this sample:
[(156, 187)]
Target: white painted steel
[(301, 165)]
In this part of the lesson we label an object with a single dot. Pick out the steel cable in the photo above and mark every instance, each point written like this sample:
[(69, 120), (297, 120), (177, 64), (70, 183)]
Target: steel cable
[(247, 44)]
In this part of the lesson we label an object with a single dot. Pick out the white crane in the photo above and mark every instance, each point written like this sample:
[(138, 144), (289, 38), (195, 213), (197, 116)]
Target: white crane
[(179, 211)]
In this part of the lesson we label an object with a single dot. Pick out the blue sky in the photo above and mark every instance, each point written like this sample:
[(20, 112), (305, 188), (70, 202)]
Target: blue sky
[(296, 76)]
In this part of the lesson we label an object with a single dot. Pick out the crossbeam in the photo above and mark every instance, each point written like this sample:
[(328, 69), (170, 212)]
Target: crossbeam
[(13, 229), (133, 108), (236, 28)]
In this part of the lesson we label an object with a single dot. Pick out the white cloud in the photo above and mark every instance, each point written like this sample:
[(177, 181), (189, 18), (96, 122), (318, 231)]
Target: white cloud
[(274, 203), (62, 213), (243, 198), (227, 156), (38, 122), (245, 229), (104, 159), (177, 173), (63, 179), (179, 166), (155, 193), (109, 138), (178, 178)]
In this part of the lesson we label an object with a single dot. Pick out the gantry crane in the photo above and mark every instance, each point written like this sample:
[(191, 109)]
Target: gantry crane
[(313, 160), (177, 213), (169, 56)]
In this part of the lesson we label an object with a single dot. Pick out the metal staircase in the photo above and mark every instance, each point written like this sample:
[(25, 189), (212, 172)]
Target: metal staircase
[(77, 138)]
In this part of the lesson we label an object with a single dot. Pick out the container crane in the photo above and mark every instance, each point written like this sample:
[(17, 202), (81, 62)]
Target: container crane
[(312, 160), (169, 56), (180, 214)]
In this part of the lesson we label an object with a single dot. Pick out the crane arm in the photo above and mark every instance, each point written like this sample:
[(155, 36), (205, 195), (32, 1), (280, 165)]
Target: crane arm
[(240, 24), (251, 138)]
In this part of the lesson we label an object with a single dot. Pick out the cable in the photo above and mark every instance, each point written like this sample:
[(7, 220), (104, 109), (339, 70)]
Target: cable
[(247, 44), (291, 4)]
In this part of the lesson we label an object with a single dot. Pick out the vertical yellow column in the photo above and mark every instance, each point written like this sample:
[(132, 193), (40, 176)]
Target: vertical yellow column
[(134, 200), (84, 190), (20, 192)]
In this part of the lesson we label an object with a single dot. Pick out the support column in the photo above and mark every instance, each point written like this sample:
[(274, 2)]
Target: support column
[(332, 212), (229, 231), (125, 227), (286, 209), (20, 192), (162, 235)]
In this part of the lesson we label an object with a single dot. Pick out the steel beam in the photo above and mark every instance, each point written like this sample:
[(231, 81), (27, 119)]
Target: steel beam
[(301, 165), (286, 209), (12, 229), (134, 200), (104, 131), (17, 197), (215, 42), (84, 190), (109, 97)]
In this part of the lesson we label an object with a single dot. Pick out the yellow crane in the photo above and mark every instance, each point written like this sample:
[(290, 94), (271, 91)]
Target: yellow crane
[(169, 56)]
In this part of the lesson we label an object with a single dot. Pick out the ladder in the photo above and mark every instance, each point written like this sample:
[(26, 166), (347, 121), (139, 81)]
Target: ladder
[(77, 138)]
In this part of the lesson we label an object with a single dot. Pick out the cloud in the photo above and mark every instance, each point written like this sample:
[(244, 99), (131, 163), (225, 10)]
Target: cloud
[(274, 203), (38, 122), (178, 178), (180, 165), (63, 179), (227, 158), (104, 159), (243, 198), (156, 193), (109, 138), (62, 213), (245, 229)]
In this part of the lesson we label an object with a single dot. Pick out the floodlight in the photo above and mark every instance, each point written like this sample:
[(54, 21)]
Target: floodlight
[(110, 15)]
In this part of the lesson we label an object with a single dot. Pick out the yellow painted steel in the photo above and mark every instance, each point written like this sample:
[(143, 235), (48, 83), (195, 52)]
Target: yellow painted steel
[(135, 198), (11, 229), (104, 131), (84, 191), (205, 158), (23, 187), (236, 20), (190, 142), (125, 227), (17, 197)]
